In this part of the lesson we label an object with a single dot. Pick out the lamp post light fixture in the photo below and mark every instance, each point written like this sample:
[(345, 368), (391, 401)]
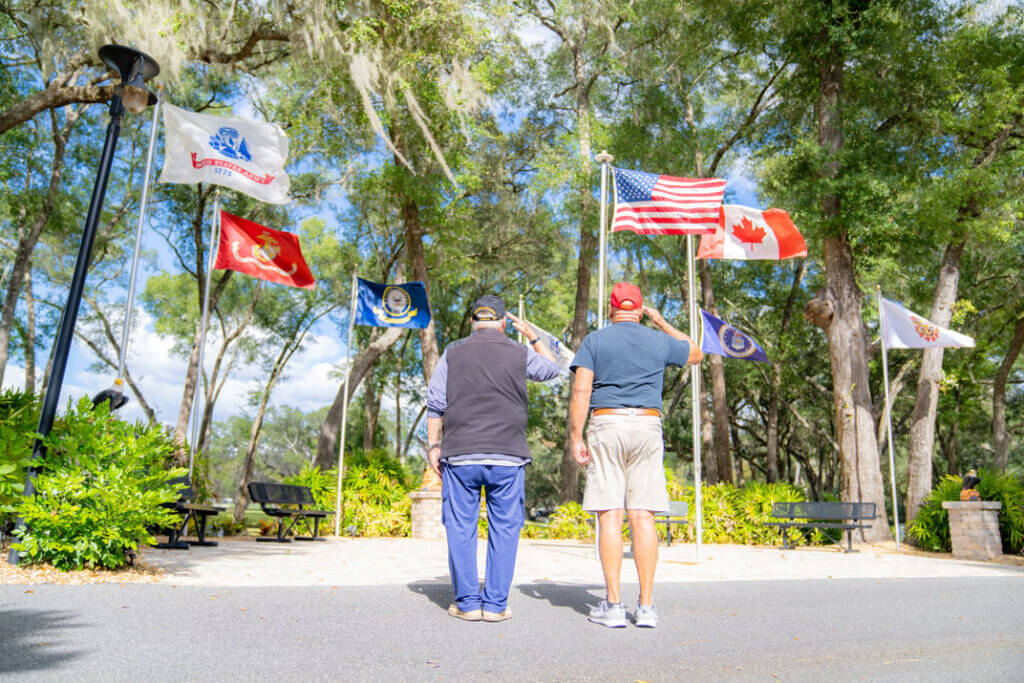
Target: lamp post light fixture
[(134, 68)]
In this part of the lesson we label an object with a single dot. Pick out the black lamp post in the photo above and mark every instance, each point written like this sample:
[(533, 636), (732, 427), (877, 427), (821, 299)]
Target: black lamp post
[(135, 68)]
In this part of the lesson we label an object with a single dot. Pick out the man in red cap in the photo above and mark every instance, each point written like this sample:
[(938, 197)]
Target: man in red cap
[(619, 375)]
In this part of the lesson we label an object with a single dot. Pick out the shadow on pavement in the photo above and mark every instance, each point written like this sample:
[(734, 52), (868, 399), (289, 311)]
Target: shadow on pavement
[(576, 597), (438, 590), (31, 639)]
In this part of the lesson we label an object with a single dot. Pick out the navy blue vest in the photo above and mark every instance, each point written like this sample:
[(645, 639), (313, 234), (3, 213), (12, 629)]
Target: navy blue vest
[(486, 395)]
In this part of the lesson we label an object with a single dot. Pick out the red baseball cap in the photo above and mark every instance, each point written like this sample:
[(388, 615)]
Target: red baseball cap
[(626, 296)]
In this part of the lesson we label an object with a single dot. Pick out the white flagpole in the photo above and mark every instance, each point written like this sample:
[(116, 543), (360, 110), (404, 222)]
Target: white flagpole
[(522, 315), (143, 205), (888, 414), (214, 244), (344, 404), (695, 393), (604, 158)]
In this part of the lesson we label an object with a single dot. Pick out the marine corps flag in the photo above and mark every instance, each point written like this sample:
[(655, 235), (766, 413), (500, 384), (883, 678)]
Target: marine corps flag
[(404, 305), (257, 250)]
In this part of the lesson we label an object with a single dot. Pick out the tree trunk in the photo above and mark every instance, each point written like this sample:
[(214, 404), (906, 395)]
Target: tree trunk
[(30, 334), (371, 410), (28, 238), (716, 368), (327, 443), (772, 444), (861, 478), (922, 427), (417, 260), (1000, 436), (708, 438)]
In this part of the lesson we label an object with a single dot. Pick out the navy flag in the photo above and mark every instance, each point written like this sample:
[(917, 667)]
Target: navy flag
[(404, 305), (721, 338)]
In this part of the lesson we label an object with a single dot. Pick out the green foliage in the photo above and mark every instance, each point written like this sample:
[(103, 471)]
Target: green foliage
[(569, 521), (740, 515), (19, 415), (376, 499), (930, 528), (100, 491)]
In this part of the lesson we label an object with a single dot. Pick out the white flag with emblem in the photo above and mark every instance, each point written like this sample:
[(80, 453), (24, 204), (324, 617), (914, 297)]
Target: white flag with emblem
[(245, 155), (905, 330), (563, 354)]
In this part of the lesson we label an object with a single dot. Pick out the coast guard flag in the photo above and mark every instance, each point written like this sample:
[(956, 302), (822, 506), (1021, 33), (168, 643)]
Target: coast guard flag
[(721, 338), (905, 330), (380, 305), (746, 234), (256, 250), (247, 156), (651, 204)]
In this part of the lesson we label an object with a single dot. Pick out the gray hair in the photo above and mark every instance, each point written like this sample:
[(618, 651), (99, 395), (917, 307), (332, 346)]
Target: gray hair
[(489, 324)]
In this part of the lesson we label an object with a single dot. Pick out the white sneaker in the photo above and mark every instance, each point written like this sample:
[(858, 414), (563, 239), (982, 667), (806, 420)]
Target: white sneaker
[(610, 614), (646, 616)]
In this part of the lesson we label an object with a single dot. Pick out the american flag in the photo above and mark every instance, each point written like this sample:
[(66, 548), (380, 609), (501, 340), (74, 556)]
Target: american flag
[(652, 204)]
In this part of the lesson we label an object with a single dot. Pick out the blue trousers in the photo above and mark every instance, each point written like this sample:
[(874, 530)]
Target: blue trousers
[(506, 493)]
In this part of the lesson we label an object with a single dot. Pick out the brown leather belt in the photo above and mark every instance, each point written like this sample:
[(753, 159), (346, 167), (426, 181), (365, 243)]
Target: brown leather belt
[(632, 412)]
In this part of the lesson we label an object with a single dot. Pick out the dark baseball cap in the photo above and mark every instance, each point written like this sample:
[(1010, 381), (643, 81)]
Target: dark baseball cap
[(488, 307)]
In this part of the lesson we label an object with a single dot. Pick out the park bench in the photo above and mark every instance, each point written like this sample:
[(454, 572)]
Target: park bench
[(287, 502), (823, 515), (677, 510), (189, 510)]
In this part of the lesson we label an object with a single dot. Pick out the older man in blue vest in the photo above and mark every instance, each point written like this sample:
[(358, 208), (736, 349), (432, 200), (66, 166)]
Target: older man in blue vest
[(476, 427)]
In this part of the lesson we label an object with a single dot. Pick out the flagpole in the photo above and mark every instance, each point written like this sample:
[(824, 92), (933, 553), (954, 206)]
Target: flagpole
[(344, 403), (888, 414), (695, 393), (522, 315), (143, 205), (214, 244), (604, 158)]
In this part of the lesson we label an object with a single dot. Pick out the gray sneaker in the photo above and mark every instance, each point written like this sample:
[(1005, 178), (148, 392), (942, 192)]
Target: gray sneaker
[(646, 616), (610, 614)]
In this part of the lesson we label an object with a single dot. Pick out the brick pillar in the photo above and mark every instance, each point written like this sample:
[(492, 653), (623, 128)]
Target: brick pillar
[(426, 515), (974, 529)]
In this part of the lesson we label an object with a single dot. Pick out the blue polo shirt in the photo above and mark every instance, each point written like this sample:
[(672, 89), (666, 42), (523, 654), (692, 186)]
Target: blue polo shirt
[(628, 361)]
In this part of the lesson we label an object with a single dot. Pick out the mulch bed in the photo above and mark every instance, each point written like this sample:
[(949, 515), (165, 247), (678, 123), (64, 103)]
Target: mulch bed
[(44, 573)]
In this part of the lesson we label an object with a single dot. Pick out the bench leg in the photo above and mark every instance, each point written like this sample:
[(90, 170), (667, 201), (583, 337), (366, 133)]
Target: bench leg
[(174, 541), (279, 538), (316, 531), (199, 521), (668, 532), (849, 542)]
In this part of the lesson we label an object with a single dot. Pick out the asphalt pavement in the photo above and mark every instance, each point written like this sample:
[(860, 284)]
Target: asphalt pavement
[(375, 610)]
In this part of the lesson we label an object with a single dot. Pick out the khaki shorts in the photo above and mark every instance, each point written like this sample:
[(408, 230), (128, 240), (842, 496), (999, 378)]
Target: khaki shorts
[(626, 467)]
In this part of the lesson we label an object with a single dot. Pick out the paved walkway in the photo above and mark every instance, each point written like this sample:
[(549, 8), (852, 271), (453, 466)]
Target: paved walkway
[(400, 561)]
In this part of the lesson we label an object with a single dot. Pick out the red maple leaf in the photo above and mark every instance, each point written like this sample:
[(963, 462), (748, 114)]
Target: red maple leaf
[(748, 233)]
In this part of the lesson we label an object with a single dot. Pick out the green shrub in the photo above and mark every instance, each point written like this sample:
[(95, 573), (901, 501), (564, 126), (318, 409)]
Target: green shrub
[(99, 492), (376, 500), (568, 521), (930, 528), (19, 416)]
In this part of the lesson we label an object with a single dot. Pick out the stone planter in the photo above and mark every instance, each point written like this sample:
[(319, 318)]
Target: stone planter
[(426, 515), (974, 529)]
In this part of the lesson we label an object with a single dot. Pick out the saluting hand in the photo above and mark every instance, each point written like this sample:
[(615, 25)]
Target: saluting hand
[(520, 326)]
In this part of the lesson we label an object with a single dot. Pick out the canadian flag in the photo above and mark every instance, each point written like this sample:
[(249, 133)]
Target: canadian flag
[(747, 234)]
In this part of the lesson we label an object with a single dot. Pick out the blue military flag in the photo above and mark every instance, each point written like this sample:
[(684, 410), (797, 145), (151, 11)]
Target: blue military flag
[(404, 305), (721, 338)]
